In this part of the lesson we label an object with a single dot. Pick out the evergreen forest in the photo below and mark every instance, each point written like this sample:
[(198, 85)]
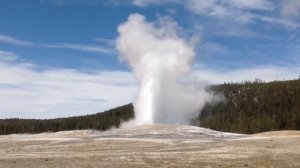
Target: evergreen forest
[(247, 107)]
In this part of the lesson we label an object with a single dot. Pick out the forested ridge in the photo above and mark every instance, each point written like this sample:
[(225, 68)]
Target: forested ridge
[(252, 107), (247, 107), (99, 121)]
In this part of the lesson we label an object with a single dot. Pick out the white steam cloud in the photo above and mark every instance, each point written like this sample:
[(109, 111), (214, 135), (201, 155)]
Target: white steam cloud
[(160, 60)]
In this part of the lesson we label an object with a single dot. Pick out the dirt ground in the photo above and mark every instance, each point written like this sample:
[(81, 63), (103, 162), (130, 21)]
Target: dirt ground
[(150, 146)]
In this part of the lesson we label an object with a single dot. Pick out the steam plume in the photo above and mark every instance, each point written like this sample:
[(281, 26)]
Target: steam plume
[(160, 59)]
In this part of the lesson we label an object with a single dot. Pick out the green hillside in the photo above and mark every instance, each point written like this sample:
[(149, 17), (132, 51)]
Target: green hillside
[(99, 121), (254, 107), (248, 107)]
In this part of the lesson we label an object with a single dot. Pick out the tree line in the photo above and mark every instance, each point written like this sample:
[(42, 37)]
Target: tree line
[(247, 107), (252, 107), (99, 121)]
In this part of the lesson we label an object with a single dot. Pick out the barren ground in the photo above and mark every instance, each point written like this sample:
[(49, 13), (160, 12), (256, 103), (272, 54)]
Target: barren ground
[(151, 146)]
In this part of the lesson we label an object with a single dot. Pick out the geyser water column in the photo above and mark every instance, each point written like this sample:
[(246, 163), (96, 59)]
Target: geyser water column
[(160, 59)]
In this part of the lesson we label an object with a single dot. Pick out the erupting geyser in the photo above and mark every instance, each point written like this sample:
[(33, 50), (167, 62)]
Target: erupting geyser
[(160, 59)]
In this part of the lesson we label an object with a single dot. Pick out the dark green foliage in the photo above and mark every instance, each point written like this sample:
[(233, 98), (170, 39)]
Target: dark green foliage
[(99, 121), (248, 107), (254, 107)]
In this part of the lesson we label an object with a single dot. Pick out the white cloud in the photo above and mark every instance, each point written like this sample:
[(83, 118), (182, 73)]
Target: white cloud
[(252, 4), (107, 42), (7, 56), (266, 73), (12, 40), (277, 12), (29, 93), (284, 13), (237, 10), (289, 14), (107, 47), (281, 13), (80, 47), (290, 8), (209, 7), (152, 2), (62, 2), (288, 23), (230, 10), (209, 49)]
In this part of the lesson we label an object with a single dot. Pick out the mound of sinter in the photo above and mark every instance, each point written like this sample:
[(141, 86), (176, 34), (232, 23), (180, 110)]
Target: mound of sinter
[(168, 131)]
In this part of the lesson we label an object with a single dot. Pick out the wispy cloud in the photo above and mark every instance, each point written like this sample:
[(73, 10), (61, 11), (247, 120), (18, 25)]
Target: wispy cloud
[(240, 11), (289, 13), (291, 8), (7, 56), (253, 4), (144, 3), (108, 42), (210, 49), (14, 41), (80, 47), (266, 73), (67, 2), (106, 48), (27, 92)]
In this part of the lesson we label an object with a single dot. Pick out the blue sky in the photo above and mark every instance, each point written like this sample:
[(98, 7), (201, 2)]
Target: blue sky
[(60, 54)]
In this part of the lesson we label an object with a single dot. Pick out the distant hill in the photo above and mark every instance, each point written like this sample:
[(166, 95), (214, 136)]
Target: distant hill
[(99, 121), (253, 107), (248, 107)]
